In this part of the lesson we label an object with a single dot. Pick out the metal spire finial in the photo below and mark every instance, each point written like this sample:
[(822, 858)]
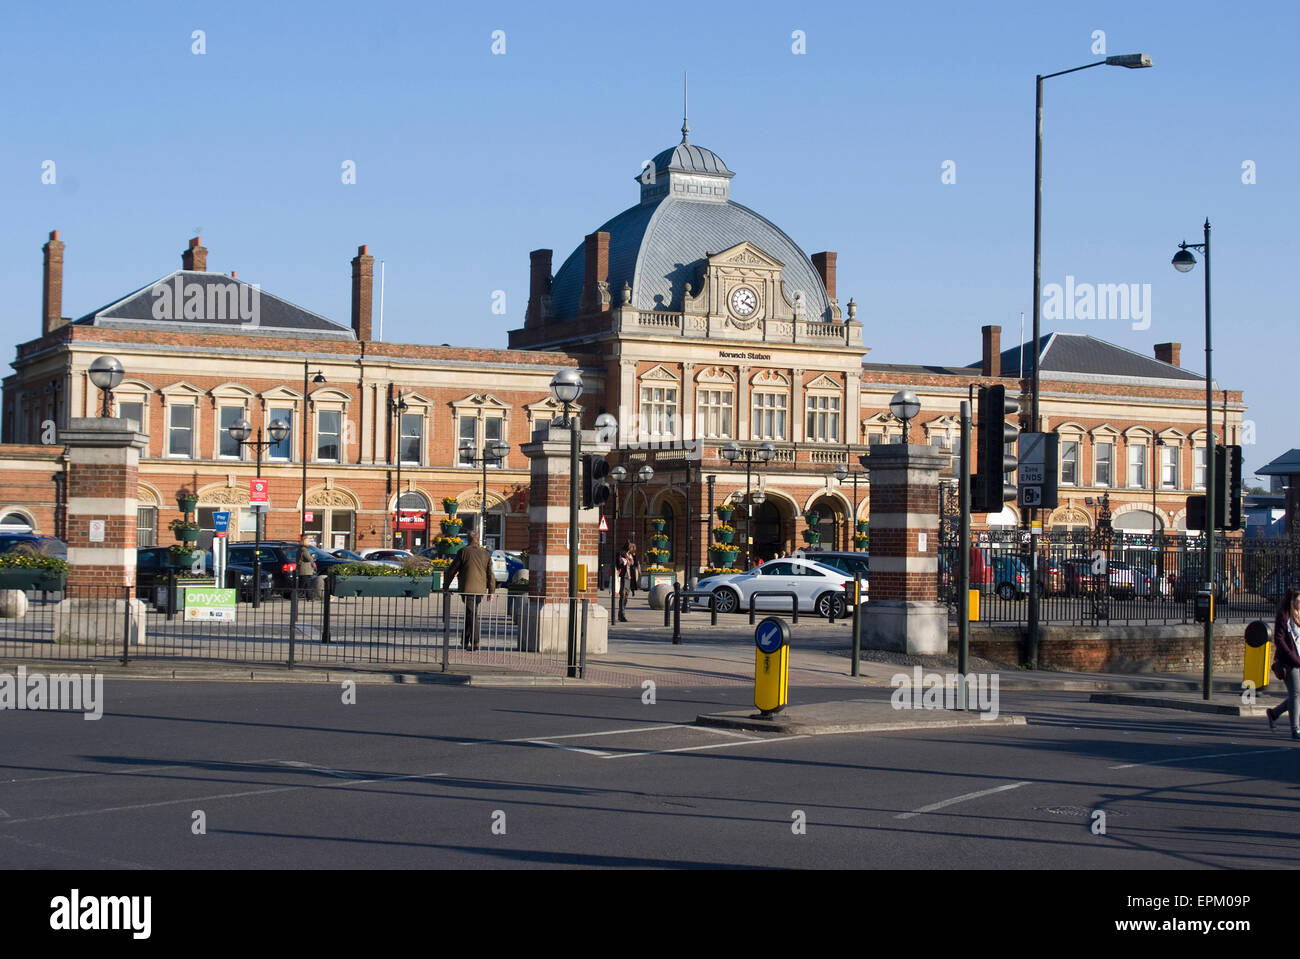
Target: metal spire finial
[(686, 126)]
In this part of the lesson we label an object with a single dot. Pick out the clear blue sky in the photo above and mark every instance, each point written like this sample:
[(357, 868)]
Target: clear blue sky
[(467, 160)]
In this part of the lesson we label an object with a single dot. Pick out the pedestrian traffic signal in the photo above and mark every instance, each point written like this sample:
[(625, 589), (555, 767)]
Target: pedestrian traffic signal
[(991, 490), (1227, 487), (595, 483)]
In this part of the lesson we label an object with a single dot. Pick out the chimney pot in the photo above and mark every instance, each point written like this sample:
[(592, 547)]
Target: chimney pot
[(52, 285), (363, 289), (991, 360), (1169, 353), (195, 257), (825, 266)]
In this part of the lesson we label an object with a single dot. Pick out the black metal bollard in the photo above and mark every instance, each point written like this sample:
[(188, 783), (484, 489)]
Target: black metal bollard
[(325, 617)]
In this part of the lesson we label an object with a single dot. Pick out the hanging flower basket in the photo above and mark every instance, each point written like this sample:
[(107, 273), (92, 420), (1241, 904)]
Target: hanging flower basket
[(659, 524), (724, 534), (812, 537), (725, 557), (449, 505), (659, 541), (186, 531), (448, 545), (724, 512), (863, 525), (188, 503), (860, 540), (813, 519), (451, 527)]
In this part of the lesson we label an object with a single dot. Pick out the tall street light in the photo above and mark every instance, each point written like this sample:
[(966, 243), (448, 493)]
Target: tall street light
[(905, 407), (106, 372), (1132, 61), (397, 407), (493, 451), (1183, 262), (733, 452), (240, 431), (318, 377), (566, 387)]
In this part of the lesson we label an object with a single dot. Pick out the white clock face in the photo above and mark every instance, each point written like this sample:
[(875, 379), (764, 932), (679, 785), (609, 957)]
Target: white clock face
[(744, 301)]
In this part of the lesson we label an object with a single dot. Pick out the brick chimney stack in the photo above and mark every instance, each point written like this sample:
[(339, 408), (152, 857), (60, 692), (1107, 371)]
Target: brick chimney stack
[(1169, 353), (539, 286), (595, 285), (52, 288), (991, 360), (196, 257), (825, 265), (363, 290)]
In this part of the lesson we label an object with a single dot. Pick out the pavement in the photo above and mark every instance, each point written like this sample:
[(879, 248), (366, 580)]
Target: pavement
[(641, 652)]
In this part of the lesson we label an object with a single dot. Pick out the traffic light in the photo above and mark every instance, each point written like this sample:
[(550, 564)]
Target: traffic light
[(990, 490), (1227, 487), (595, 485)]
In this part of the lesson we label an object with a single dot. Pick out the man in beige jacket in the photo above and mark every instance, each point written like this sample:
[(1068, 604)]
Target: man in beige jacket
[(473, 566)]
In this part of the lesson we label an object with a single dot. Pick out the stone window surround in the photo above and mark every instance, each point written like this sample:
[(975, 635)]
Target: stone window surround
[(482, 406)]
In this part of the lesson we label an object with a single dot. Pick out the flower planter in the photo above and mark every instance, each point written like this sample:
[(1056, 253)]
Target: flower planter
[(860, 541), (33, 578), (659, 542), (813, 519), (724, 513), (659, 524), (450, 529), (188, 504), (449, 507), (451, 549), (812, 537), (187, 536), (416, 588), (724, 535), (863, 525), (724, 557)]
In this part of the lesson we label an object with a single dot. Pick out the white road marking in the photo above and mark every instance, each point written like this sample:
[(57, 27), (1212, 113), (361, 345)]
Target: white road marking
[(236, 795), (605, 732), (726, 732), (572, 749), (1188, 759), (688, 749), (956, 799)]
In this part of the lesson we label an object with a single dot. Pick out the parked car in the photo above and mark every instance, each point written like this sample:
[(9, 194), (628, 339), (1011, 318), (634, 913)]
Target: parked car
[(153, 564), (390, 557), (1051, 577), (1079, 577), (1188, 582), (1127, 581), (348, 555), (820, 589), (43, 545), (1010, 577), (281, 558), (505, 565), (849, 563)]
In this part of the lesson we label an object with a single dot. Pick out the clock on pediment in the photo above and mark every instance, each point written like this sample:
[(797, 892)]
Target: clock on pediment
[(745, 305)]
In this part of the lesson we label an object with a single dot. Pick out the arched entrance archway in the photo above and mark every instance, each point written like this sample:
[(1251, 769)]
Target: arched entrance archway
[(833, 525), (412, 521)]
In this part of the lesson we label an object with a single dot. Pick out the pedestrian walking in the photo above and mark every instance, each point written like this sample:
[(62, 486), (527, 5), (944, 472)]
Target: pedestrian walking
[(472, 570), (1286, 660), (306, 569), (627, 570)]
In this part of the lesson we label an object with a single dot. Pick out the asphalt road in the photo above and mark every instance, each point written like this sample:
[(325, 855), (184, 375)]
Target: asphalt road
[(290, 777)]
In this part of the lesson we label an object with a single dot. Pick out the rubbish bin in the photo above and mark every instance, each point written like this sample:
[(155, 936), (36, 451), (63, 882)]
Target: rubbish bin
[(1257, 658)]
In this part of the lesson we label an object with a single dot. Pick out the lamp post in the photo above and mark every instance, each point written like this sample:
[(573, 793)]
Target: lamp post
[(1132, 61), (493, 451), (106, 372), (566, 387), (733, 452), (644, 475), (397, 407), (905, 406), (841, 472), (1183, 262), (318, 377), (239, 431)]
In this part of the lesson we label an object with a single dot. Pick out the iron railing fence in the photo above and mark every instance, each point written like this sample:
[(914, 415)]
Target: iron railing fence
[(515, 632)]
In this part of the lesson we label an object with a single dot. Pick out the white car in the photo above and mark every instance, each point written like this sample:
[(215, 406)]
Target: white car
[(820, 589), (389, 557)]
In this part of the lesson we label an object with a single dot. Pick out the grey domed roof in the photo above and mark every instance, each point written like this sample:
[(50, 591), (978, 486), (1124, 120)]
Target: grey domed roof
[(659, 247), (688, 158)]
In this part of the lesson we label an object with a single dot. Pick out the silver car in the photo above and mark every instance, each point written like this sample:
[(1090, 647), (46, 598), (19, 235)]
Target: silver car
[(820, 589)]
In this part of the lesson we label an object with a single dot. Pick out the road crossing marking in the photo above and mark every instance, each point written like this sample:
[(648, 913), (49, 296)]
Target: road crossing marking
[(1188, 759), (688, 749), (605, 732), (956, 799)]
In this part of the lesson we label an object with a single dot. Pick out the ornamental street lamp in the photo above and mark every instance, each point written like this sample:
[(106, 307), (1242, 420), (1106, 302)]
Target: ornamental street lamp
[(317, 377), (240, 431), (606, 430), (905, 406), (733, 452), (493, 451), (106, 372), (397, 407), (1184, 262), (566, 387), (841, 472)]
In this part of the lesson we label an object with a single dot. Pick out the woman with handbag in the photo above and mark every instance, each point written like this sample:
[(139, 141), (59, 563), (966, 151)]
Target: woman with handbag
[(1286, 660)]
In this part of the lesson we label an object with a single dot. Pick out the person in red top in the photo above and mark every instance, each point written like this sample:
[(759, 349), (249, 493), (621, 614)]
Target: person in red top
[(1286, 660)]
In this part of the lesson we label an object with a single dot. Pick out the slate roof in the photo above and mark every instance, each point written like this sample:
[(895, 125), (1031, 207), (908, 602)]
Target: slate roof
[(689, 158), (1288, 464), (1078, 353), (659, 247), (219, 308)]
